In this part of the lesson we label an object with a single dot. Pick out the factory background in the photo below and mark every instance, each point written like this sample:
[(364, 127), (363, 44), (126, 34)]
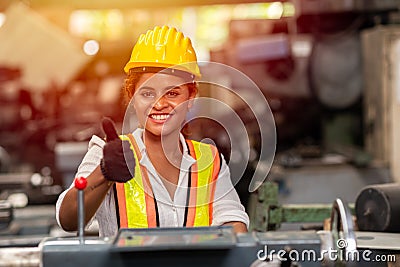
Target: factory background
[(329, 71)]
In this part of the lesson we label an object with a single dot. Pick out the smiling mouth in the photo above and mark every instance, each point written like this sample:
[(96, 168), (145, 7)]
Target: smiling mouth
[(160, 117)]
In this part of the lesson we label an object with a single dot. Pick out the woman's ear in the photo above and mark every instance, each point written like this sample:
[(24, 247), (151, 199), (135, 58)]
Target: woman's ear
[(192, 96), (193, 90)]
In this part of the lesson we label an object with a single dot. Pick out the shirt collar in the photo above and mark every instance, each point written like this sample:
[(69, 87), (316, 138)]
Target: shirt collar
[(187, 159)]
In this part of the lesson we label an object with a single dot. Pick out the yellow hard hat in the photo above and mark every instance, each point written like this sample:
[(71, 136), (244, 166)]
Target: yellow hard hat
[(164, 47)]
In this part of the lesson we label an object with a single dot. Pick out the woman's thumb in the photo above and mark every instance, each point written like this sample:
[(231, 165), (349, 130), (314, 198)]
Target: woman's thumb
[(109, 129)]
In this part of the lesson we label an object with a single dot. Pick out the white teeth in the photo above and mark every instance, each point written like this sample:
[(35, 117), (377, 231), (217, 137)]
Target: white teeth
[(159, 117)]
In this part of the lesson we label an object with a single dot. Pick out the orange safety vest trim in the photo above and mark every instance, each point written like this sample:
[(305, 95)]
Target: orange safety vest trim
[(137, 208)]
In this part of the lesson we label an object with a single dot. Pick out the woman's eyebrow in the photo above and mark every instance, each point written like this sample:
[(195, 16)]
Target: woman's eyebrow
[(179, 86), (146, 88)]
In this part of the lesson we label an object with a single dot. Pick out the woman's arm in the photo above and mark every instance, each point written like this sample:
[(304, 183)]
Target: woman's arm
[(227, 208), (238, 227), (114, 158), (95, 192), (66, 207)]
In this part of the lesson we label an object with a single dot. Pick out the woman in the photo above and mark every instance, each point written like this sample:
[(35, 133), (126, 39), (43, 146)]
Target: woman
[(154, 177)]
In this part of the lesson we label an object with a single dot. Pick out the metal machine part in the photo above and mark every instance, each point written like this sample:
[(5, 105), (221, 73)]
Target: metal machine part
[(378, 208), (80, 185), (28, 226), (376, 240), (342, 230), (21, 189), (267, 214), (21, 257), (204, 246), (5, 160), (6, 214), (200, 246), (341, 220), (208, 246)]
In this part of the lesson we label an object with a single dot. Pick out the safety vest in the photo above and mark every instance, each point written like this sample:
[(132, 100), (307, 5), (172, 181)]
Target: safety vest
[(137, 207)]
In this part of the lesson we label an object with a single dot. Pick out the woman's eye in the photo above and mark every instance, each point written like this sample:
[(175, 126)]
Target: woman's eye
[(172, 93), (148, 94)]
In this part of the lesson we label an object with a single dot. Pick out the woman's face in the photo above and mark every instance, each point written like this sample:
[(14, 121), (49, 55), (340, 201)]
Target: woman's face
[(161, 102)]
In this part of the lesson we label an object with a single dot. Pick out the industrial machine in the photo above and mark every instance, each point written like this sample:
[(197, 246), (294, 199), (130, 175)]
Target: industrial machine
[(340, 245), (28, 187), (219, 246), (5, 214)]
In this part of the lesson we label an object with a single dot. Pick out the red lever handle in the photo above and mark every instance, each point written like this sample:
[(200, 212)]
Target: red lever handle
[(80, 183)]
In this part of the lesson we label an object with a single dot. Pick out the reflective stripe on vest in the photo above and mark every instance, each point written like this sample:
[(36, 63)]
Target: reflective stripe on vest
[(137, 207)]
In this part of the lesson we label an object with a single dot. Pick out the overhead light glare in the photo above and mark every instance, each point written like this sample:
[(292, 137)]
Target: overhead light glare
[(2, 19), (91, 47), (275, 10)]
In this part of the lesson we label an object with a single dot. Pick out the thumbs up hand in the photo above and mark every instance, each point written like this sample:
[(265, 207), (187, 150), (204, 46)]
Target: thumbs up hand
[(118, 162), (109, 129)]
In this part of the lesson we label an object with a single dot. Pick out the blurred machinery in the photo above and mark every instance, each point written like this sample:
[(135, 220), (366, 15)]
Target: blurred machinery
[(21, 189), (268, 214), (31, 124), (340, 244), (20, 186), (313, 82), (377, 208), (40, 89), (309, 7), (6, 214), (382, 97)]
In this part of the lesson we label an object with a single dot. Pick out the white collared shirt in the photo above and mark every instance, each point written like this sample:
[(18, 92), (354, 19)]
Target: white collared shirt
[(226, 207)]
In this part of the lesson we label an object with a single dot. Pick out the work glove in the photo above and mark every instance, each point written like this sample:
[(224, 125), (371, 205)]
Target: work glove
[(118, 162)]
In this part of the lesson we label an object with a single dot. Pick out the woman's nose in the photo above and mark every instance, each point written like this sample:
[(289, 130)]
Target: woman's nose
[(161, 103)]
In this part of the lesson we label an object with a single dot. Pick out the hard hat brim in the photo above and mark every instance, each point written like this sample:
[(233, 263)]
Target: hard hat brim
[(190, 68)]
